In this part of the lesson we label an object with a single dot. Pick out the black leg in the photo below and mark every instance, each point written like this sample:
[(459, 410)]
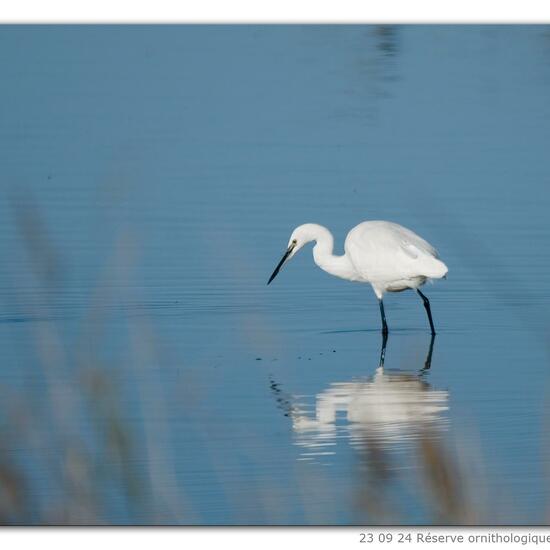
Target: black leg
[(428, 310), (383, 315), (428, 362), (383, 349)]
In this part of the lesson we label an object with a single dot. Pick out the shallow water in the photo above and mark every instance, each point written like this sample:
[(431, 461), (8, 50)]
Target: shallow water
[(152, 177)]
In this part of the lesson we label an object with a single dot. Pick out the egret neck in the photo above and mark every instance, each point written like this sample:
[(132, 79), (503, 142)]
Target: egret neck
[(339, 266)]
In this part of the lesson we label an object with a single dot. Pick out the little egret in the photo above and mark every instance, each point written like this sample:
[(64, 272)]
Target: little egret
[(388, 256)]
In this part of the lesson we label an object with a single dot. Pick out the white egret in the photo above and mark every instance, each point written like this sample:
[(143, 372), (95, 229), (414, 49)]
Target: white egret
[(388, 256)]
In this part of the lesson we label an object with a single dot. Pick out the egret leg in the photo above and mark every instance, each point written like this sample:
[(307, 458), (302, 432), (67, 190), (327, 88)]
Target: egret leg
[(428, 362), (383, 315), (428, 310), (383, 349)]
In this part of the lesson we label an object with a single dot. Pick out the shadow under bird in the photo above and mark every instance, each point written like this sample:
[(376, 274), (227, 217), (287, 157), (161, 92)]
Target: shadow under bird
[(388, 256)]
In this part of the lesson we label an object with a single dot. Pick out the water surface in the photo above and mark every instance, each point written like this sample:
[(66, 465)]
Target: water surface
[(152, 177)]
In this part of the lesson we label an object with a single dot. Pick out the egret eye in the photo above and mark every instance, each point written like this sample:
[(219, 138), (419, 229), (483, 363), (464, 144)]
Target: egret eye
[(294, 241)]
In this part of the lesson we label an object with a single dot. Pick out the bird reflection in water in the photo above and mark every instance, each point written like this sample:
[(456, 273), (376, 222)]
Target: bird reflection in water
[(390, 410)]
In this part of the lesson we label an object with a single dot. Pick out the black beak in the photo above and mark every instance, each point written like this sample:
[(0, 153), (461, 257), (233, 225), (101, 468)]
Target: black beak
[(280, 264)]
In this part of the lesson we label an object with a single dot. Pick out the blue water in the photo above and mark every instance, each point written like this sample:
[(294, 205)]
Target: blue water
[(152, 177)]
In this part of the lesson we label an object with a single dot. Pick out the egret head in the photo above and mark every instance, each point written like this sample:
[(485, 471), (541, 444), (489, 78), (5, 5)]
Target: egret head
[(300, 236)]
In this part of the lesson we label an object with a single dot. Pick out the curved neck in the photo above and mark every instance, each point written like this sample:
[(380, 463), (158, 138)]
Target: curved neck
[(339, 266)]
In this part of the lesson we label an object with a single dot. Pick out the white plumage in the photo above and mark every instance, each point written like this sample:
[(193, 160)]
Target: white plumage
[(391, 257), (388, 256)]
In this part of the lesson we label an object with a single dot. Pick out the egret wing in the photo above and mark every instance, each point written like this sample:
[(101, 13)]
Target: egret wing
[(385, 251), (415, 252)]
